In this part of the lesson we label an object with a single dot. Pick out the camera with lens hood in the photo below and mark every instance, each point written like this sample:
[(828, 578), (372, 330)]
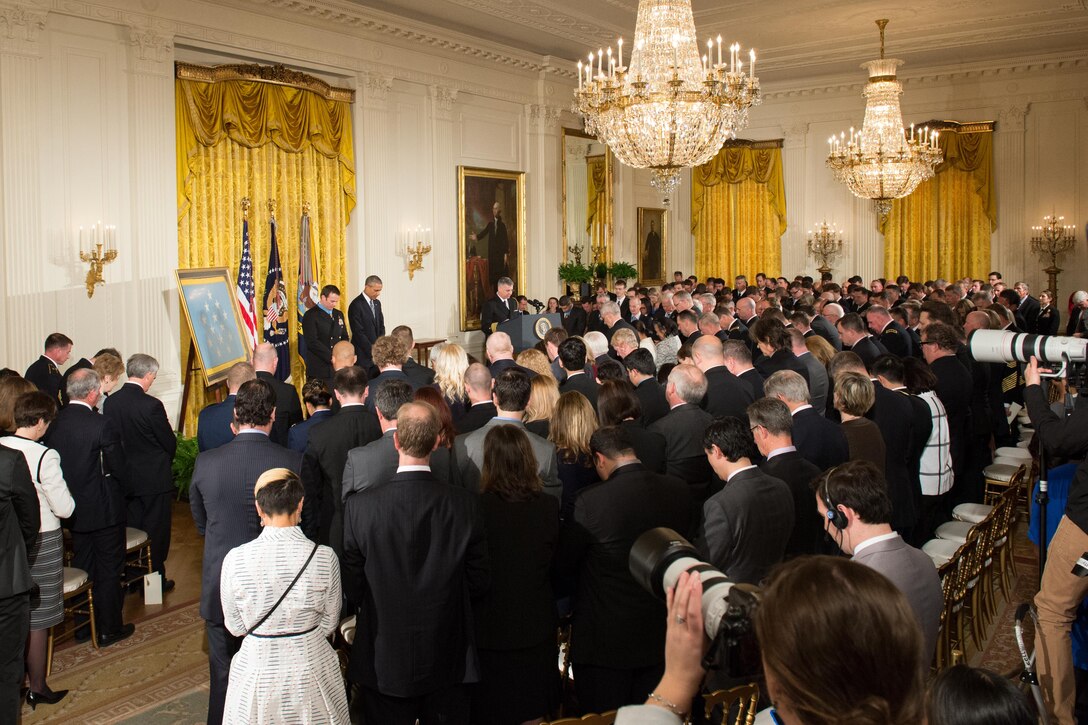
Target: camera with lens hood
[(661, 555), (1059, 356)]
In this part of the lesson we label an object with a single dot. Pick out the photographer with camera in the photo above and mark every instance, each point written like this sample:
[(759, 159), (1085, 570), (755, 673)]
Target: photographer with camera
[(839, 644), (1061, 590)]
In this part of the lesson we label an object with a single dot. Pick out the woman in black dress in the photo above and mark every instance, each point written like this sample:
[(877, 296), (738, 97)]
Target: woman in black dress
[(572, 424), (854, 396), (1049, 318), (516, 622)]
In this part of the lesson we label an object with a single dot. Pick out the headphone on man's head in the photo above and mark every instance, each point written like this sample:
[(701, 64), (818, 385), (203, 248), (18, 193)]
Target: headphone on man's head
[(834, 515)]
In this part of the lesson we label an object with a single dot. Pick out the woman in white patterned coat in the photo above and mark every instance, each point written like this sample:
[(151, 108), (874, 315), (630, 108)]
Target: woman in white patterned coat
[(286, 670)]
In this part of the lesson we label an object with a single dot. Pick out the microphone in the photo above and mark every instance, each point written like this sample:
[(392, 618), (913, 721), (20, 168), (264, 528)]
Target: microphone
[(537, 304)]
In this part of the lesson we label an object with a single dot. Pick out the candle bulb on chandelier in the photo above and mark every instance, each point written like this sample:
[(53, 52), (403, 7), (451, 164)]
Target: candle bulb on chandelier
[(719, 50), (600, 57), (619, 63), (580, 75), (610, 65), (752, 62)]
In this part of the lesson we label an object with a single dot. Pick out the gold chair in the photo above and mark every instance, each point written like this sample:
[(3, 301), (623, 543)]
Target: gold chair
[(744, 698), (78, 599), (137, 555), (605, 718)]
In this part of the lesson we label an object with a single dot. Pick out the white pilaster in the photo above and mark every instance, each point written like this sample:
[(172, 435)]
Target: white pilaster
[(794, 142), (1008, 251), (445, 255)]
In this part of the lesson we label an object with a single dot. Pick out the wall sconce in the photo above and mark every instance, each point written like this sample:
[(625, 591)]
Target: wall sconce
[(97, 247), (417, 242)]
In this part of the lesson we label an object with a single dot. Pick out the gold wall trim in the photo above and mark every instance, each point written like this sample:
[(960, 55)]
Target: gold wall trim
[(957, 127), (277, 74), (774, 143)]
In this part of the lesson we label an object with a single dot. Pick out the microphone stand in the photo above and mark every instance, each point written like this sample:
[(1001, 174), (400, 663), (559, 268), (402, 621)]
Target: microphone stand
[(1042, 496)]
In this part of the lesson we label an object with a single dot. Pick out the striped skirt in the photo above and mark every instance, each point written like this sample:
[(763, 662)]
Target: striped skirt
[(47, 571)]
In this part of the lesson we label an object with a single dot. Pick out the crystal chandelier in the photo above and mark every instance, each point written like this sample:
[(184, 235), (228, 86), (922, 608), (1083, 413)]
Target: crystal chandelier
[(670, 109), (882, 161)]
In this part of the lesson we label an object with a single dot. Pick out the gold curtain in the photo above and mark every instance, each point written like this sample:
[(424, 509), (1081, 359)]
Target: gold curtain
[(738, 210), (596, 209), (943, 229), (268, 142)]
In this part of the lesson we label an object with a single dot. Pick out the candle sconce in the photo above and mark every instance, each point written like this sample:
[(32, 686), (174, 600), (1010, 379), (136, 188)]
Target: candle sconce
[(824, 245), (1051, 241), (97, 247), (417, 243)]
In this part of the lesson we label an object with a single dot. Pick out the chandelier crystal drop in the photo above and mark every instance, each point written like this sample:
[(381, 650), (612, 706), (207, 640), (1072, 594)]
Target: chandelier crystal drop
[(883, 161), (671, 109)]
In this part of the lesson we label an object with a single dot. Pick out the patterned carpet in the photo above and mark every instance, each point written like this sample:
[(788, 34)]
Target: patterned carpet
[(159, 675), (1001, 653)]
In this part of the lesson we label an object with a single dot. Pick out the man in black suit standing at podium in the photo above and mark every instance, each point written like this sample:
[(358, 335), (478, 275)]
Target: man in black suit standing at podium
[(323, 326), (499, 308), (367, 321)]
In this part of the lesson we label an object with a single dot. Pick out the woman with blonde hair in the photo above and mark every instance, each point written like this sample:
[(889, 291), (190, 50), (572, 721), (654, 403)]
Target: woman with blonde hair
[(536, 361), (820, 348), (572, 424), (543, 395), (450, 361), (854, 396), (110, 368)]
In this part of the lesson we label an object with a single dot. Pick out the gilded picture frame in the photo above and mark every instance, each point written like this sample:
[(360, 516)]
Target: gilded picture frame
[(213, 319), (488, 250), (653, 230)]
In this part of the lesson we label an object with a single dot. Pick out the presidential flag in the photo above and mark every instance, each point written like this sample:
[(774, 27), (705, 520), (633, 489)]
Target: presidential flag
[(307, 278), (275, 310), (246, 288)]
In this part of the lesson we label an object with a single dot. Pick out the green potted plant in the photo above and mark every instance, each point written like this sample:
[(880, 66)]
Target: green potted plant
[(623, 270), (576, 275), (183, 465)]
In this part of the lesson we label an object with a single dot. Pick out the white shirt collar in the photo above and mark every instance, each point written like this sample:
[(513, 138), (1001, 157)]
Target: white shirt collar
[(780, 451), (806, 406), (84, 403), (739, 470), (351, 405), (412, 469), (875, 540)]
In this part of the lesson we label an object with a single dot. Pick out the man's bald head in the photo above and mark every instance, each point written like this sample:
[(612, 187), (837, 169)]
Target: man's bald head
[(239, 373), (343, 355), (265, 358), (706, 351)]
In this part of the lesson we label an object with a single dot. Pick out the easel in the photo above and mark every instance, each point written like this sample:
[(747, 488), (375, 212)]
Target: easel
[(191, 367)]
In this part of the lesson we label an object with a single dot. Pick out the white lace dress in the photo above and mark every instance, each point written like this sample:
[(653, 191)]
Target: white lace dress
[(285, 679)]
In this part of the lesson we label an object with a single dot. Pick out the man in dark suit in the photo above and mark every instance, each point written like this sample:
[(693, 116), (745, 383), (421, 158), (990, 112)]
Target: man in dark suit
[(642, 373), (481, 407), (366, 320), (744, 525), (221, 499), (891, 334), (498, 243), (954, 384), (823, 327), (1029, 306), (1076, 325), (327, 452), (613, 320), (818, 382), (418, 375), (499, 308), (857, 338), (687, 327), (817, 439), (683, 428), (19, 523), (288, 408), (574, 317), (772, 427), (44, 371), (615, 668), (376, 462), (854, 504), (149, 443), (92, 459), (726, 394), (511, 396), (572, 356), (213, 424), (389, 354), (318, 401), (737, 358), (413, 652), (774, 341), (323, 326)]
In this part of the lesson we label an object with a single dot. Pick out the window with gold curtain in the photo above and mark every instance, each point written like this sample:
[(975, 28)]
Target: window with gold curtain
[(738, 210), (943, 229), (289, 141), (596, 211)]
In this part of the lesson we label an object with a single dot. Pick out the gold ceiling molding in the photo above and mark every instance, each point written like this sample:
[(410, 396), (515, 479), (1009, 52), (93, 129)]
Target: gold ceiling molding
[(743, 143), (276, 74), (957, 127)]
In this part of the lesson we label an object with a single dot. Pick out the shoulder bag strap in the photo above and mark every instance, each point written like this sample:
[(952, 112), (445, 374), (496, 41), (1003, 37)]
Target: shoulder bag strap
[(285, 591), (38, 477)]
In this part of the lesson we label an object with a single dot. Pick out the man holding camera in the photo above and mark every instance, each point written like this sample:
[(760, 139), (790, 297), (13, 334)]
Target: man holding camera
[(1061, 590)]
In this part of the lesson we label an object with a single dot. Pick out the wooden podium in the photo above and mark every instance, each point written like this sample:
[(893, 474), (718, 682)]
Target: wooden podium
[(525, 331)]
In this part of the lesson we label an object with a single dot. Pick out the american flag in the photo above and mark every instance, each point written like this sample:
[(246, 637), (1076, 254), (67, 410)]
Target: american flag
[(275, 304), (246, 289), (307, 276)]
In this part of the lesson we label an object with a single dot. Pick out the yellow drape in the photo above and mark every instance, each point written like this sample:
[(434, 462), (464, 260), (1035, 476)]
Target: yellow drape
[(219, 173), (738, 211), (596, 210), (943, 229)]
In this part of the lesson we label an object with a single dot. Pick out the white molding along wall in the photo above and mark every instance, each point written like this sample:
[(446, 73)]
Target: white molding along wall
[(87, 133)]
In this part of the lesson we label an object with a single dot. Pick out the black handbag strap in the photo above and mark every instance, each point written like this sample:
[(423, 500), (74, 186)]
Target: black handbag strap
[(285, 591)]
